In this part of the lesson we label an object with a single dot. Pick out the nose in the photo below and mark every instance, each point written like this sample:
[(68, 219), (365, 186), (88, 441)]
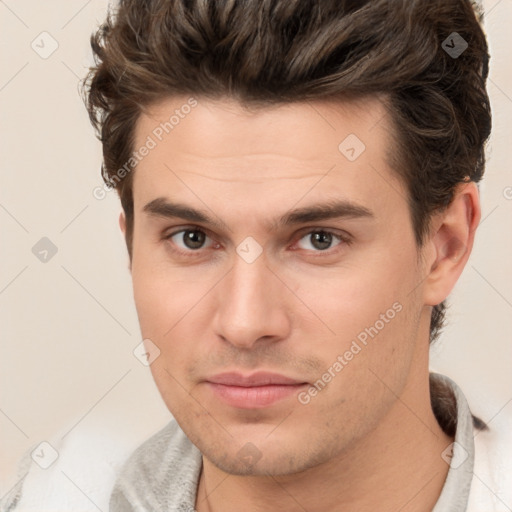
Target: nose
[(252, 305)]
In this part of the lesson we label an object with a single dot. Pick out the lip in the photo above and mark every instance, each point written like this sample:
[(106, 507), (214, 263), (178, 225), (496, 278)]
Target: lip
[(255, 379), (254, 391)]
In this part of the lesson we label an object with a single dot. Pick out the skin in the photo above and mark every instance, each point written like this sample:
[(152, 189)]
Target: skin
[(369, 439)]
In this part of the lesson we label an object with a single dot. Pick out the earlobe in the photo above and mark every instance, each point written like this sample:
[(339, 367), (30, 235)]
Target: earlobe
[(451, 243), (122, 225), (122, 222)]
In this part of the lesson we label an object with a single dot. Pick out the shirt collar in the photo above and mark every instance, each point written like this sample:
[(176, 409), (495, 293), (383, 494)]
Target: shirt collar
[(460, 454)]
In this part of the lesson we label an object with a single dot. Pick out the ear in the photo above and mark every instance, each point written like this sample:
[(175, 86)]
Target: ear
[(451, 242), (122, 225)]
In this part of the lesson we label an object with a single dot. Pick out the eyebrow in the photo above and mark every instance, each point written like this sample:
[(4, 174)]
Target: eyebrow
[(334, 209)]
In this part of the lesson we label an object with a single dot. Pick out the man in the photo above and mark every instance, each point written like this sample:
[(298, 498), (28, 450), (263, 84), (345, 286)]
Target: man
[(298, 183)]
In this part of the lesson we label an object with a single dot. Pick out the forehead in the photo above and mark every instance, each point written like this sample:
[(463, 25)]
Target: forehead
[(286, 151), (223, 128)]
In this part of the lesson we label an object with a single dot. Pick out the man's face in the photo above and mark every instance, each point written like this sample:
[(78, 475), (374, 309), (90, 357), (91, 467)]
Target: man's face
[(336, 302)]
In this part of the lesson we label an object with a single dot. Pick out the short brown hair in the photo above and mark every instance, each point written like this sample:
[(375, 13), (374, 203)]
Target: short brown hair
[(265, 52)]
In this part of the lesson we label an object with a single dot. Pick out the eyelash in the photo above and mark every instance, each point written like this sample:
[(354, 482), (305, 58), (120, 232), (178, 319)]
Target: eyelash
[(344, 239)]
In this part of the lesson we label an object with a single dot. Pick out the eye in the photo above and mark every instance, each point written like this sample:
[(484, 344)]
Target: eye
[(321, 240), (188, 240)]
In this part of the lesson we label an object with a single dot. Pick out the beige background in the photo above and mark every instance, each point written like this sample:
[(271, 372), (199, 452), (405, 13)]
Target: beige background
[(69, 326)]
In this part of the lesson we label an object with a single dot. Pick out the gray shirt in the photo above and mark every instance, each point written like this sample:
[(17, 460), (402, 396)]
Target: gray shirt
[(162, 474)]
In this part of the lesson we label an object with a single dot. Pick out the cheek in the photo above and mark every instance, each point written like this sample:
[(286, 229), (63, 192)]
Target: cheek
[(175, 308), (370, 311), (164, 294), (350, 299), (165, 306)]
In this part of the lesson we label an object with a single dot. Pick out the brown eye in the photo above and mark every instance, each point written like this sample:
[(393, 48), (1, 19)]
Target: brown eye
[(193, 239), (320, 240), (188, 240)]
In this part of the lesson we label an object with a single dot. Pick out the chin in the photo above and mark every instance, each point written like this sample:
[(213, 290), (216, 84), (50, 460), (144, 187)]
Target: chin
[(268, 460)]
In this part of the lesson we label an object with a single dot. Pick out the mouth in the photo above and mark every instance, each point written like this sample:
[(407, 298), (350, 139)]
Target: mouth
[(254, 391)]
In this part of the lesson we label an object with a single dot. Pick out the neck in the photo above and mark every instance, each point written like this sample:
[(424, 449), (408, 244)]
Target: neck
[(398, 466)]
